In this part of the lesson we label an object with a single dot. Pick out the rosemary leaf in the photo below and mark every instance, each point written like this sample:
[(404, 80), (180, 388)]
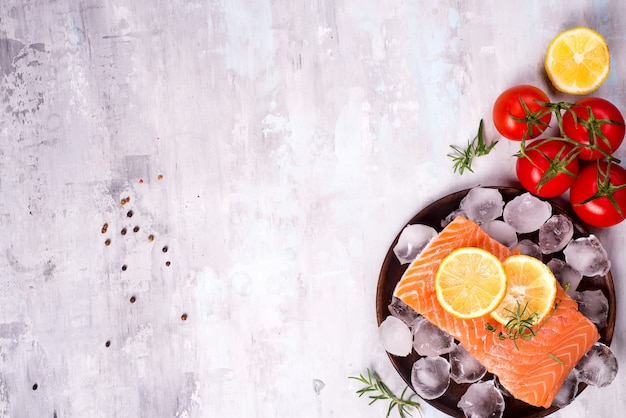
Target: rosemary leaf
[(462, 158), (555, 358), (375, 385)]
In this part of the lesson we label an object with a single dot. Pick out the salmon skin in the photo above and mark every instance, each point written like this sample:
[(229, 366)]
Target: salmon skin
[(533, 371)]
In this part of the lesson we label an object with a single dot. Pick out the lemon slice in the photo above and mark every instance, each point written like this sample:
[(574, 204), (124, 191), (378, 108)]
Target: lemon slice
[(577, 61), (531, 287), (470, 282)]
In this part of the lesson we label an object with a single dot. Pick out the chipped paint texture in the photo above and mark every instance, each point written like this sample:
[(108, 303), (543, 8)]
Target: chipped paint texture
[(275, 148)]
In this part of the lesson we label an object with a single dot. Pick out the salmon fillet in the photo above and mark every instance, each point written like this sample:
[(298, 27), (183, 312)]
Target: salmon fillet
[(534, 370)]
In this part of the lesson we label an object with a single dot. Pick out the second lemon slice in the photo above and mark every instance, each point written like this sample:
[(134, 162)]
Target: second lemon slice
[(470, 282), (577, 61), (531, 286)]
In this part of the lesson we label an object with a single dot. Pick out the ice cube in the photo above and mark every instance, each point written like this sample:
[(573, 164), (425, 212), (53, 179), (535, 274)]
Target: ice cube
[(594, 305), (402, 311), (555, 234), (482, 400), (451, 216), (412, 241), (318, 385), (587, 255), (429, 340), (395, 336), (482, 204), (463, 367), (430, 377), (598, 367), (501, 232), (526, 213), (530, 248), (565, 274), (500, 387), (567, 392)]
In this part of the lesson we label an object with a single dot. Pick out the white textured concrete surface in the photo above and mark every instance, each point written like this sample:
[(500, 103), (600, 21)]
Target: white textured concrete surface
[(294, 139)]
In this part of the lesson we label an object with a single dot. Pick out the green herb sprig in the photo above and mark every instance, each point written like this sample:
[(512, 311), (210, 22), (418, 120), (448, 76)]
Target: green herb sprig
[(462, 158), (378, 391), (520, 325)]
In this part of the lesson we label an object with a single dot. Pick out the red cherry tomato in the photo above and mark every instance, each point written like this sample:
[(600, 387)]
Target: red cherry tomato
[(547, 168), (595, 129), (508, 107), (592, 193)]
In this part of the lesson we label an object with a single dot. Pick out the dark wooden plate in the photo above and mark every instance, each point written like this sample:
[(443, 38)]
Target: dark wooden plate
[(392, 271)]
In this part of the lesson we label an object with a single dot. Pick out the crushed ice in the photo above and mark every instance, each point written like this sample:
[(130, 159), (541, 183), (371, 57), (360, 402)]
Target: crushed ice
[(318, 385)]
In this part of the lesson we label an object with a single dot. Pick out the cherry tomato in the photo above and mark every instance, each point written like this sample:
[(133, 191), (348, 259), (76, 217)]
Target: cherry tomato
[(595, 129), (508, 107), (591, 193), (547, 168)]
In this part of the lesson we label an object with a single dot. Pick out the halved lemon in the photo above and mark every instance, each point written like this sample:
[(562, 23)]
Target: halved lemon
[(470, 282), (531, 288), (577, 61)]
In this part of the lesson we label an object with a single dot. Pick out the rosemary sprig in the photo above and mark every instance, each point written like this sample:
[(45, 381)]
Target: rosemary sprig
[(519, 325), (462, 158), (377, 391)]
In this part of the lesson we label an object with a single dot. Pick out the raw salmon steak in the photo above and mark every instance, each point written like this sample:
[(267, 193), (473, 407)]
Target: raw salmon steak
[(534, 370)]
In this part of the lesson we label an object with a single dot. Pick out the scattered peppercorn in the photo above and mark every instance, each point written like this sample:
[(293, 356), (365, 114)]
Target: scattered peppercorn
[(150, 238), (164, 249), (136, 229), (107, 242), (104, 228), (107, 344), (132, 299), (130, 214), (167, 263), (183, 317), (35, 386), (123, 231), (124, 267)]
